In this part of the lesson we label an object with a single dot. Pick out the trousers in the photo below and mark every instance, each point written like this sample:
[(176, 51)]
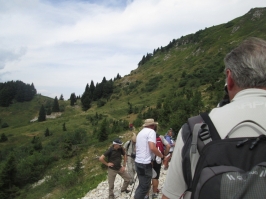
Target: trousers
[(111, 179)]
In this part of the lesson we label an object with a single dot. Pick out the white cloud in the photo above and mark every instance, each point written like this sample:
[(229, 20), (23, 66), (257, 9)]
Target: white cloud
[(62, 46)]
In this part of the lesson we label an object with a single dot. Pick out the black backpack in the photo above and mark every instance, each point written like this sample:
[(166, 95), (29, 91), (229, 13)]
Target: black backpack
[(230, 168)]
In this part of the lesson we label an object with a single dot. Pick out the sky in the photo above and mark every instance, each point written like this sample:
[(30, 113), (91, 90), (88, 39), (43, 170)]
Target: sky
[(62, 45)]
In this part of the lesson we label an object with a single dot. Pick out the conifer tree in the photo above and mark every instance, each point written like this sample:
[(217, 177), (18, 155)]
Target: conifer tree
[(86, 97), (33, 90), (98, 91), (78, 165), (73, 99), (42, 114), (47, 133), (3, 138), (8, 178), (130, 109), (55, 105), (37, 144), (64, 127), (103, 134), (92, 88), (61, 97)]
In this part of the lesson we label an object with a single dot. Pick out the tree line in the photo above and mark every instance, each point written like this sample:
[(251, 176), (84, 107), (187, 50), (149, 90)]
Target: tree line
[(101, 91), (16, 91)]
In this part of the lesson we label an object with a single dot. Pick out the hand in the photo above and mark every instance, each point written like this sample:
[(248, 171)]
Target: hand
[(122, 169), (110, 164)]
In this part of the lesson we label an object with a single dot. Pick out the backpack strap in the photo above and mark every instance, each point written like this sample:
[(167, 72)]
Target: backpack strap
[(186, 132), (212, 130), (128, 145)]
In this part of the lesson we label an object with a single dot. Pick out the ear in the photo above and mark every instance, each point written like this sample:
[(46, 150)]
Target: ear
[(230, 82), (232, 88)]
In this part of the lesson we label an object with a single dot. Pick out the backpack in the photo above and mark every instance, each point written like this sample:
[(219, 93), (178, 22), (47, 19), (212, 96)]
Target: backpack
[(159, 144), (128, 145), (230, 168)]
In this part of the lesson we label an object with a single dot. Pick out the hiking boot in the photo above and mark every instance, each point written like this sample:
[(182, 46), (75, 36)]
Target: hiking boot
[(154, 196), (127, 191)]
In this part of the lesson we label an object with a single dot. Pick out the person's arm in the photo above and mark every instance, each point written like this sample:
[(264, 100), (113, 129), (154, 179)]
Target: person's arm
[(166, 144), (102, 160), (154, 149), (164, 197), (167, 149)]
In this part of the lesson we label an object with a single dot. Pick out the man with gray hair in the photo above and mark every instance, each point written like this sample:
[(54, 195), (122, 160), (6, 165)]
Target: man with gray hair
[(245, 70)]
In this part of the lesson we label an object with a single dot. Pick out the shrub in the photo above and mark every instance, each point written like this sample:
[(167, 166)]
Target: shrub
[(5, 125), (3, 138)]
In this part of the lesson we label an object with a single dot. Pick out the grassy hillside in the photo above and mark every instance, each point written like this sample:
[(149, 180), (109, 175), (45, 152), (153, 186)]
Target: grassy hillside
[(189, 66)]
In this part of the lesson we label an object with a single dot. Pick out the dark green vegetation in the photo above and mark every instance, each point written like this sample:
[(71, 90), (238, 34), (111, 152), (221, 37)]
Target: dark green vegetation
[(15, 91), (171, 84)]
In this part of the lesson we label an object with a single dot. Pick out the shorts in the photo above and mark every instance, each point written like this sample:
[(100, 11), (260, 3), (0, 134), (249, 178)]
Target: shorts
[(157, 168)]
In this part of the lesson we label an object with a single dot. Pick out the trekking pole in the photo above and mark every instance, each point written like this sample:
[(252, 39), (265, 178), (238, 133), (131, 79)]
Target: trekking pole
[(133, 186)]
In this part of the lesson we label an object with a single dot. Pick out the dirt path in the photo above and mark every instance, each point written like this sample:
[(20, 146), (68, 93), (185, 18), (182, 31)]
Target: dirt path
[(101, 192)]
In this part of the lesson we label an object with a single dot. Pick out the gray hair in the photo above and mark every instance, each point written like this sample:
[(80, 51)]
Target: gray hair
[(247, 63)]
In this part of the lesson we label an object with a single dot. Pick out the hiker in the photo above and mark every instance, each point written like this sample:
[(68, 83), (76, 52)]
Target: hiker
[(164, 148), (130, 147), (145, 148), (170, 140), (245, 70), (114, 155)]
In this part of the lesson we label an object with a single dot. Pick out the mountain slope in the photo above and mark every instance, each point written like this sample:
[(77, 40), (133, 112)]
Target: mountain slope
[(170, 84)]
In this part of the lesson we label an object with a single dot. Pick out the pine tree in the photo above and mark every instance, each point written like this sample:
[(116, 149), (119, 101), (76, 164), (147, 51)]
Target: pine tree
[(103, 134), (64, 127), (47, 133), (3, 138), (130, 109), (86, 97), (55, 105), (42, 114), (92, 89), (8, 178), (37, 144), (33, 90), (61, 97), (78, 165), (73, 99)]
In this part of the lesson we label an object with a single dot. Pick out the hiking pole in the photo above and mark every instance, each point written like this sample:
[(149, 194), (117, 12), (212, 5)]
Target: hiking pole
[(133, 185)]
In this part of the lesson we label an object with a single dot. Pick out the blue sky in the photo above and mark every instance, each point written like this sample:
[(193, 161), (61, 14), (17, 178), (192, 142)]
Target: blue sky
[(61, 45)]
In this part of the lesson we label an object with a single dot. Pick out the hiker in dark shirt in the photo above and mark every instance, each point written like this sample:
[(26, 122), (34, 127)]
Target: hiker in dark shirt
[(114, 155)]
